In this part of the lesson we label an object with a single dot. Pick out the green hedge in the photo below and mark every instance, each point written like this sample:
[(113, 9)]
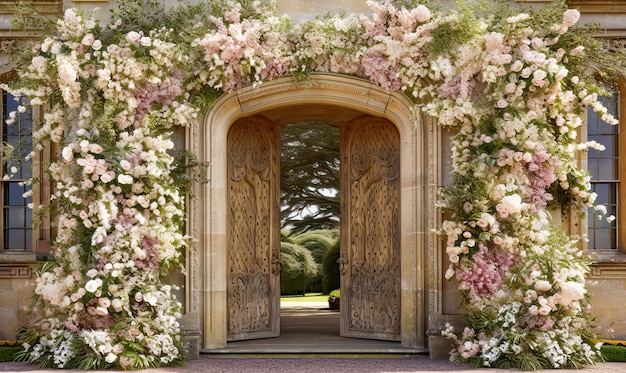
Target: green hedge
[(614, 353)]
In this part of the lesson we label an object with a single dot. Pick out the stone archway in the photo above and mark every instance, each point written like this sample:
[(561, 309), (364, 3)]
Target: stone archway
[(207, 284)]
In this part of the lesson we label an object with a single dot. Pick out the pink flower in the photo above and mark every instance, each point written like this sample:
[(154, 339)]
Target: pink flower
[(576, 51), (570, 17), (104, 302), (422, 13), (88, 39), (95, 148)]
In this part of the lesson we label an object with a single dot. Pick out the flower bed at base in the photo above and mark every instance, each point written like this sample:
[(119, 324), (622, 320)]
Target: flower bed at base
[(506, 82)]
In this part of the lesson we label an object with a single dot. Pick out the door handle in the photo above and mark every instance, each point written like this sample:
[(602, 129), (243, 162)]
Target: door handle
[(343, 265), (277, 265)]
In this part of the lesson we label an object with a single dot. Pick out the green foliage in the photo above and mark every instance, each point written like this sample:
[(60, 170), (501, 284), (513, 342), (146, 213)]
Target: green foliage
[(614, 353), (455, 31), (187, 171), (298, 268), (318, 242), (9, 353), (330, 267), (335, 294), (27, 16)]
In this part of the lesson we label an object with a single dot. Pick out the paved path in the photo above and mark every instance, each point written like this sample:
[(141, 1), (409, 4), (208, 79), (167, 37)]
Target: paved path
[(220, 364)]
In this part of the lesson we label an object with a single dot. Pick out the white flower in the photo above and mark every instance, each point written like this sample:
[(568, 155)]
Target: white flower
[(133, 37), (125, 165), (571, 291), (125, 179), (93, 285), (68, 154), (97, 45), (95, 148), (110, 358), (145, 41), (543, 285), (509, 205), (422, 13), (67, 73)]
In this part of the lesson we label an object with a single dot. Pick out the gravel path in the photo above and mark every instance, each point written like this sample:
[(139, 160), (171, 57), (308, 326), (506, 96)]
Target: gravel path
[(222, 364)]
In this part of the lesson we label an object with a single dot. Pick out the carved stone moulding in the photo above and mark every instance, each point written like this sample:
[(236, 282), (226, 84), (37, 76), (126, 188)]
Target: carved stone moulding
[(607, 270), (598, 6), (17, 272)]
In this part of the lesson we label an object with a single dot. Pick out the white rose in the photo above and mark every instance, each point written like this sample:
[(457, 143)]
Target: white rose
[(68, 154), (97, 45), (125, 179), (542, 285), (92, 285), (110, 358), (145, 41), (133, 37)]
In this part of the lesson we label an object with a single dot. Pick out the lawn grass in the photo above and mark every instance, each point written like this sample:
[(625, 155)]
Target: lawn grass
[(308, 297)]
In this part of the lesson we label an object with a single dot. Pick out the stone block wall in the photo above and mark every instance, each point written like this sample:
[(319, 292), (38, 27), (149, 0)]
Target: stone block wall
[(607, 289), (16, 289)]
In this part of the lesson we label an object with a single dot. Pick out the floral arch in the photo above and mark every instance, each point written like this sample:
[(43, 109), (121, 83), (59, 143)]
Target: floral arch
[(514, 85)]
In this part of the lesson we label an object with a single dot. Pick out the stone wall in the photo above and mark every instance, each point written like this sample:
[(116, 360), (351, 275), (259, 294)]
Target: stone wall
[(16, 289)]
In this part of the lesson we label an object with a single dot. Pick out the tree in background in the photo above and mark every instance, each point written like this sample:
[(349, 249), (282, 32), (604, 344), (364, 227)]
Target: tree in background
[(310, 176)]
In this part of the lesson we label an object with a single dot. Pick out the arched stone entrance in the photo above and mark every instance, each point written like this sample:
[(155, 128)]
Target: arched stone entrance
[(325, 96)]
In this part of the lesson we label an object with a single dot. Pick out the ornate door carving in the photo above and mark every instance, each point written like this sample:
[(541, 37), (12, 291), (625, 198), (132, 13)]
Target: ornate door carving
[(253, 289), (370, 231)]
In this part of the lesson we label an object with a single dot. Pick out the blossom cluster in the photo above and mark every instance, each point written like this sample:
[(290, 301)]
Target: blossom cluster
[(505, 87), (120, 217), (523, 279)]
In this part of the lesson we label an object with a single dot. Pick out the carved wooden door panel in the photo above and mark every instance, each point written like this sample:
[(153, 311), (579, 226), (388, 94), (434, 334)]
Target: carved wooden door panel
[(370, 231), (253, 228)]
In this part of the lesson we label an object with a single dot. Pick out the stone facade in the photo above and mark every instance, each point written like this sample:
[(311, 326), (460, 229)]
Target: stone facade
[(428, 300)]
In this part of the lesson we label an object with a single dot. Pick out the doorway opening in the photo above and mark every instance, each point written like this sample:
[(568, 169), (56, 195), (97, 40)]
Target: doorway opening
[(310, 238), (368, 261)]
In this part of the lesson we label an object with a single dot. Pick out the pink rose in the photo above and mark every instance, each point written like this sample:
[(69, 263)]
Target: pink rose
[(570, 17)]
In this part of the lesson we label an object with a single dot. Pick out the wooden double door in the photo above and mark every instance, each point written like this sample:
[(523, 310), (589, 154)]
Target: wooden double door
[(370, 229)]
